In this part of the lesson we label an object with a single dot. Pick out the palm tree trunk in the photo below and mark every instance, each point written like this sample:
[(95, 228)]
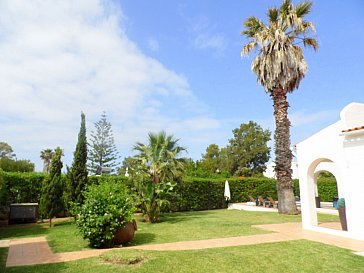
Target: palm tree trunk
[(283, 161)]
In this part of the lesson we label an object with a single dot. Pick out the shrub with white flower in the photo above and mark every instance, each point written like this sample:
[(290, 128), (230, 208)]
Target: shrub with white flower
[(107, 208)]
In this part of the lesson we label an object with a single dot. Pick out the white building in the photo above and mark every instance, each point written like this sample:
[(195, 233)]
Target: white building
[(339, 149)]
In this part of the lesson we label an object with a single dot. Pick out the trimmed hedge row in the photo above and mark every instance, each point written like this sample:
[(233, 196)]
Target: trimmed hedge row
[(205, 194), (20, 187), (190, 194), (327, 188)]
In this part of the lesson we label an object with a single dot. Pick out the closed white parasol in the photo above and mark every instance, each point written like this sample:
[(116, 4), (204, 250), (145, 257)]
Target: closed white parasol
[(227, 191)]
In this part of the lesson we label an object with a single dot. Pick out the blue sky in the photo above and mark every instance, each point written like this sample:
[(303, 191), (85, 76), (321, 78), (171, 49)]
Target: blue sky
[(160, 65)]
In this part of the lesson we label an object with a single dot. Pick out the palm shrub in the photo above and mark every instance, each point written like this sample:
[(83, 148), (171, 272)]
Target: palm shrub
[(155, 168), (107, 208)]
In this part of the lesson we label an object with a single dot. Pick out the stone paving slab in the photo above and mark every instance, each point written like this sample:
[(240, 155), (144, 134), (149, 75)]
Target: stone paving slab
[(30, 251)]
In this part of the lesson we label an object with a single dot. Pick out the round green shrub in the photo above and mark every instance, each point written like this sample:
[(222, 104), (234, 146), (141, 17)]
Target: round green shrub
[(107, 208)]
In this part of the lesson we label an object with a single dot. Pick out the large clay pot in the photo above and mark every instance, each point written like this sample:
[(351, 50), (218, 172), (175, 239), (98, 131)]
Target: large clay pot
[(125, 234)]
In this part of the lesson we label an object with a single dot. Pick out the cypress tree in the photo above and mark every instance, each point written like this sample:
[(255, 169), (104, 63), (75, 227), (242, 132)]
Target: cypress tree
[(77, 174), (51, 202)]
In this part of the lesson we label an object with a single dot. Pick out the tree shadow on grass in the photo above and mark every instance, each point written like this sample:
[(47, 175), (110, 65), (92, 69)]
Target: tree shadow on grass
[(23, 230), (142, 238)]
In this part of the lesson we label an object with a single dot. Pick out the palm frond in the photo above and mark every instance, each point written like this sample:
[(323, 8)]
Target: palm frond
[(308, 26), (310, 42), (248, 48), (252, 25), (285, 8), (303, 9), (273, 15)]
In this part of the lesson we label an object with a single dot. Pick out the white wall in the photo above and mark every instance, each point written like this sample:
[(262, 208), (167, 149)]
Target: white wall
[(345, 154)]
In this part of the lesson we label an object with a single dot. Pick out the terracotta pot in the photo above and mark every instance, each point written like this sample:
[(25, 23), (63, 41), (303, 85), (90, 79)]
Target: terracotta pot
[(125, 234)]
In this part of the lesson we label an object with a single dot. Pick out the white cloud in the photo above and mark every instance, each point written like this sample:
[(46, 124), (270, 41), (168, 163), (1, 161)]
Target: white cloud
[(58, 58), (205, 35), (301, 117), (206, 40)]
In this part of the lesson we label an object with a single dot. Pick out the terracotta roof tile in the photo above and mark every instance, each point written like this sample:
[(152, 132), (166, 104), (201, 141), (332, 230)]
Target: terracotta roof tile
[(353, 129)]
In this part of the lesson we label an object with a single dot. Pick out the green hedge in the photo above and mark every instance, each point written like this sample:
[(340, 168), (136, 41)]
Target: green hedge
[(190, 194), (327, 188), (205, 194), (20, 187)]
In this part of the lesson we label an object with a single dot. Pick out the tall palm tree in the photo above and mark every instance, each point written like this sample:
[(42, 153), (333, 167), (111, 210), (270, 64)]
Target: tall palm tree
[(46, 155), (155, 167), (280, 67)]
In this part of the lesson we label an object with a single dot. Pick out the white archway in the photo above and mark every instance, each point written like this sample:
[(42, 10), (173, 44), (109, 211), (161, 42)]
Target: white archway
[(339, 149)]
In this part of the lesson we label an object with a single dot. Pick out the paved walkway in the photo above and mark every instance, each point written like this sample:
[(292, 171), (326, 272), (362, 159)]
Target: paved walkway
[(30, 251)]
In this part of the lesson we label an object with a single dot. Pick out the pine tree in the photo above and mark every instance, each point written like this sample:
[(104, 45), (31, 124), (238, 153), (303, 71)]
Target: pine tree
[(103, 152), (51, 202), (77, 174)]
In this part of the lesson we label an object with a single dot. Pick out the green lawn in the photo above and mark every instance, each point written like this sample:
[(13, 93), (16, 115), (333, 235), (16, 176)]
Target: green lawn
[(174, 227), (284, 257), (294, 256)]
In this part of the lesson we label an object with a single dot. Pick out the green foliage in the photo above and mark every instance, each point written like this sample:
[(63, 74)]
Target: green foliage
[(6, 150), (248, 151), (246, 154), (14, 165), (152, 197), (19, 188), (211, 159), (77, 174), (107, 208), (51, 202), (206, 194), (96, 179), (102, 151), (9, 163), (157, 165), (327, 188)]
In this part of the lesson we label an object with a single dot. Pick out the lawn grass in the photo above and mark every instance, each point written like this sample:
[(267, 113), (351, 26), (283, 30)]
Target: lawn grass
[(3, 256), (175, 227), (201, 225), (284, 257)]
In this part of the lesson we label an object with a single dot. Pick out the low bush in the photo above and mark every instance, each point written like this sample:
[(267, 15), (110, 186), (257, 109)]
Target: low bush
[(327, 188), (107, 208)]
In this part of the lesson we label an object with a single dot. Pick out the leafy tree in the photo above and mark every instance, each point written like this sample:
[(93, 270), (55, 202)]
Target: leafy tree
[(77, 174), (128, 162), (51, 202), (280, 67), (103, 152), (6, 151), (248, 151), (14, 165), (211, 159), (46, 155), (158, 166), (9, 163)]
